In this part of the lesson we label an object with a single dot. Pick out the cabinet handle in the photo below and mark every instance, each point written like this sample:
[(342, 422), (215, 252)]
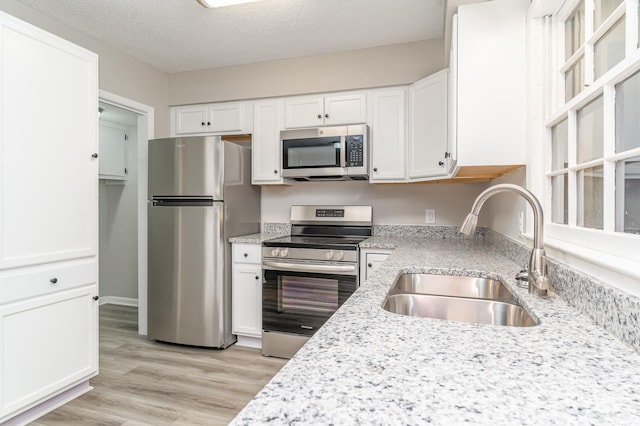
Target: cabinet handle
[(53, 280), (319, 115), (94, 155), (202, 123), (208, 123), (447, 154), (369, 265), (375, 169), (326, 116), (96, 297), (440, 163), (275, 171), (257, 277), (246, 254)]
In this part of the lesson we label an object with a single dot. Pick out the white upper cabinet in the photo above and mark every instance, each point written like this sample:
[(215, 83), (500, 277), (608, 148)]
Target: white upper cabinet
[(388, 135), (428, 140), (265, 142), (330, 110), (113, 147), (489, 56), (49, 171), (218, 118)]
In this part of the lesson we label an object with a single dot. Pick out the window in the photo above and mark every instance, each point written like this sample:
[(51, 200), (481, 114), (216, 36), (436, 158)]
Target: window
[(593, 125)]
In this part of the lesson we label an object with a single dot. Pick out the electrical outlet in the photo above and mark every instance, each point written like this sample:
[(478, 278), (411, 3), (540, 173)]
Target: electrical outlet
[(521, 223), (430, 216)]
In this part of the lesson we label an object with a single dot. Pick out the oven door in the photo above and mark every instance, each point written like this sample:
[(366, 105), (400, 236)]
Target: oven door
[(299, 297)]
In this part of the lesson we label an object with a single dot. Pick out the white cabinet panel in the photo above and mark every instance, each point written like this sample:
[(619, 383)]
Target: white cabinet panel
[(265, 143), (218, 118), (370, 260), (48, 343), (330, 110), (48, 191), (388, 136), (113, 147), (428, 126), (225, 117), (190, 119), (247, 253), (247, 300), (491, 83)]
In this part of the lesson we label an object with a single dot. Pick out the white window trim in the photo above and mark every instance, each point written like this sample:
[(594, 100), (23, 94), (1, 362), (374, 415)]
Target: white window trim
[(605, 254)]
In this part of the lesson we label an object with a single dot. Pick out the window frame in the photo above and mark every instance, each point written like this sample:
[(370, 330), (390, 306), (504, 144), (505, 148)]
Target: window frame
[(604, 249)]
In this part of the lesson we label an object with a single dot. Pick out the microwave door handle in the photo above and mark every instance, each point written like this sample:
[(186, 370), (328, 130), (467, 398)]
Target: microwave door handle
[(343, 151)]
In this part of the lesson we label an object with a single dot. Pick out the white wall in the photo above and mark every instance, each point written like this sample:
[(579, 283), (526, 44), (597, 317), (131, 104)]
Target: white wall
[(392, 204), (118, 214), (119, 73), (375, 67)]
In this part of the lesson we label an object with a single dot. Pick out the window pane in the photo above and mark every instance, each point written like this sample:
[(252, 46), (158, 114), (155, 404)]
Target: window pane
[(604, 8), (609, 50), (590, 186), (590, 131), (559, 154), (560, 199), (628, 196), (574, 31), (574, 79), (628, 113)]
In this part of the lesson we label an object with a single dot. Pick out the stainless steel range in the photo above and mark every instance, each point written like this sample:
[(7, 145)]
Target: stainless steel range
[(309, 274)]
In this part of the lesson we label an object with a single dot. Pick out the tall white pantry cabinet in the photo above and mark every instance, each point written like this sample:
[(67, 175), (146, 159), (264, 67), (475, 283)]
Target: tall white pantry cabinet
[(48, 220)]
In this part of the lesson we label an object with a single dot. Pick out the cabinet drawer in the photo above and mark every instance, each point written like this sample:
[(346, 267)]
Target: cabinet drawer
[(247, 253), (39, 280)]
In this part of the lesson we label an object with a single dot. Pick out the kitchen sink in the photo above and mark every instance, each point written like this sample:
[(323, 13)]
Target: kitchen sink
[(456, 298)]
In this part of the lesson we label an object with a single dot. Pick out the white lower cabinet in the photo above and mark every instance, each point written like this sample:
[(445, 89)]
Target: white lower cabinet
[(247, 294), (370, 260), (49, 343)]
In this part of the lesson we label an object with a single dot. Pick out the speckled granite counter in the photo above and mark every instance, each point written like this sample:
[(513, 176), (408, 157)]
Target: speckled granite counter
[(369, 366)]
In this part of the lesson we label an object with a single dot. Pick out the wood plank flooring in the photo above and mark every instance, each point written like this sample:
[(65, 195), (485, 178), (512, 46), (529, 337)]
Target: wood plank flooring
[(142, 382)]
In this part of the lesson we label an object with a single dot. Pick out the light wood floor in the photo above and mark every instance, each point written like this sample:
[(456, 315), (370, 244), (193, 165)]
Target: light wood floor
[(142, 382)]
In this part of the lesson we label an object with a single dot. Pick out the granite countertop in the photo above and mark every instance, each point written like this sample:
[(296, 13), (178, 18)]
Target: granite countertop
[(255, 238), (369, 366)]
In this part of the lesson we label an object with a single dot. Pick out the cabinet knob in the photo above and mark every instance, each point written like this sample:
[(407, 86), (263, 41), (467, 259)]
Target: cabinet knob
[(246, 254), (94, 155), (440, 163), (275, 172), (375, 169), (447, 154), (96, 297), (369, 265), (202, 123), (53, 280), (326, 116), (257, 277), (208, 123)]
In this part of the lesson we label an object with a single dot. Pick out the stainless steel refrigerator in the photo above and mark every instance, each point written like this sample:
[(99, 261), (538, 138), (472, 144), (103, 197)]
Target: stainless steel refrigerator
[(200, 195)]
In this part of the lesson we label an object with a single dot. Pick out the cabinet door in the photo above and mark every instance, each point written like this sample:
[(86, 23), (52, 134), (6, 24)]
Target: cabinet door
[(224, 117), (48, 343), (371, 262), (491, 77), (345, 109), (303, 112), (191, 119), (265, 143), (428, 127), (388, 136), (48, 176), (112, 152), (247, 300)]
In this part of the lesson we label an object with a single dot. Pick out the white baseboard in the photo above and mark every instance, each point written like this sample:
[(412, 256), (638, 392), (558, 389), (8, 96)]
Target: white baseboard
[(249, 342), (115, 300), (49, 405)]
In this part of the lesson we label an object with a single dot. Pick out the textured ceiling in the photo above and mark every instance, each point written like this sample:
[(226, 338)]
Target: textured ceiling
[(181, 35)]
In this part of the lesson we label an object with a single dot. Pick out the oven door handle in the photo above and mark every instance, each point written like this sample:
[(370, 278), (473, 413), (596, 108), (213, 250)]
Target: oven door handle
[(297, 267)]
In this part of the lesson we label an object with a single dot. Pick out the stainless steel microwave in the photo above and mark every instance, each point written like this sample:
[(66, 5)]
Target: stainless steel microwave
[(326, 153)]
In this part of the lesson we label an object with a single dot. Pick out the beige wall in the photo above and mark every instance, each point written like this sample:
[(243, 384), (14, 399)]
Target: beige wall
[(365, 68), (120, 74)]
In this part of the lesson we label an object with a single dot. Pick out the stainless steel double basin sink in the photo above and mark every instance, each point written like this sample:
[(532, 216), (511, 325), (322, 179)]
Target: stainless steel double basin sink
[(456, 298)]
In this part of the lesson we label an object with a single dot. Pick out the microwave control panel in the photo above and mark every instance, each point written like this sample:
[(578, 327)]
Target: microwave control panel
[(355, 150)]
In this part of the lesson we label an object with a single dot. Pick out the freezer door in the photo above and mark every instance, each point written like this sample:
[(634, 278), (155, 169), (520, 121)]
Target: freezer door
[(189, 166), (188, 297)]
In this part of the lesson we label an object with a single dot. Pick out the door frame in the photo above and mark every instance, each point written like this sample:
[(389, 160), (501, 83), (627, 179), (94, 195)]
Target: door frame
[(145, 113)]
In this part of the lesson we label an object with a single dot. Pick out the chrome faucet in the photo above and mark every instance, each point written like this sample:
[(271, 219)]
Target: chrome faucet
[(537, 276)]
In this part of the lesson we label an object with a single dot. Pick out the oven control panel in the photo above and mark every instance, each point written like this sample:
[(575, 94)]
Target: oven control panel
[(329, 212)]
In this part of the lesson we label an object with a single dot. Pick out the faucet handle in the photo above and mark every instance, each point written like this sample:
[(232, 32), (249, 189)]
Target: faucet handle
[(523, 278)]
